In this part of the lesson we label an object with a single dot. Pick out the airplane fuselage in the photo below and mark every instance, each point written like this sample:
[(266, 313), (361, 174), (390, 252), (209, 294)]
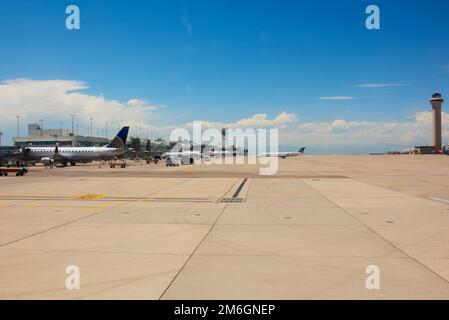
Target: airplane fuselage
[(64, 155), (73, 154), (183, 154), (281, 154), (284, 154)]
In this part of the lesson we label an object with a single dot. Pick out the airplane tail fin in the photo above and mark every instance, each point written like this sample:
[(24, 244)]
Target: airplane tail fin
[(302, 150), (119, 141)]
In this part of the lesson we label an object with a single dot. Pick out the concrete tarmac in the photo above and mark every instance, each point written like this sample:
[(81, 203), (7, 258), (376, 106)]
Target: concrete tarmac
[(225, 232)]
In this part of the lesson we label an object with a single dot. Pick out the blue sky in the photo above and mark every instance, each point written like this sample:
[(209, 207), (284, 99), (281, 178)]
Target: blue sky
[(228, 60)]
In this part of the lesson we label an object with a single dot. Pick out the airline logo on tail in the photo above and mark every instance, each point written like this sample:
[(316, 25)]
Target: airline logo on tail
[(120, 139)]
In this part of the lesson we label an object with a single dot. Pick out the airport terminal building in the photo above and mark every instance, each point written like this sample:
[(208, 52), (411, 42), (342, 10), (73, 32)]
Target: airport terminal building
[(39, 137)]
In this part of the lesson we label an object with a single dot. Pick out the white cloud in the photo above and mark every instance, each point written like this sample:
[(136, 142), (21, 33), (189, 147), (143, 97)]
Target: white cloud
[(337, 98), (342, 132), (55, 100), (380, 85), (261, 120), (282, 120), (142, 104)]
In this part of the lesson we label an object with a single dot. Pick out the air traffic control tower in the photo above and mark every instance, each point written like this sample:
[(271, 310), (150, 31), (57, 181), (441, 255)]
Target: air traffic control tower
[(436, 102)]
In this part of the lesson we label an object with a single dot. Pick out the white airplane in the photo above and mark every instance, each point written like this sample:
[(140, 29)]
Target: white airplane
[(184, 157), (72, 155), (195, 154), (409, 151), (217, 153), (283, 155)]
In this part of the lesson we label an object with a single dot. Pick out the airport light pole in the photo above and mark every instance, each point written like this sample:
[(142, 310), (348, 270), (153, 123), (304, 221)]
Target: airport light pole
[(91, 133), (41, 124), (107, 130), (73, 118), (18, 126), (1, 133), (223, 141)]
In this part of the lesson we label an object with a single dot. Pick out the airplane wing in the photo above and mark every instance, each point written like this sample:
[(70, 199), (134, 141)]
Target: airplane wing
[(57, 157)]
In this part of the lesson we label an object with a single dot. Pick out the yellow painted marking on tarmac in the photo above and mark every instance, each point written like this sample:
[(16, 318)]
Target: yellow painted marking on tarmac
[(9, 197), (90, 197), (112, 200), (62, 207)]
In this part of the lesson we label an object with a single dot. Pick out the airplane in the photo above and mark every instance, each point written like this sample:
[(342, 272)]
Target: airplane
[(409, 151), (72, 155), (217, 153), (184, 157), (206, 154), (5, 155), (284, 155)]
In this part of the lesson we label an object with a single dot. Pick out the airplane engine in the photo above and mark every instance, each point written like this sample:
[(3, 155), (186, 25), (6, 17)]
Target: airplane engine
[(47, 161)]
